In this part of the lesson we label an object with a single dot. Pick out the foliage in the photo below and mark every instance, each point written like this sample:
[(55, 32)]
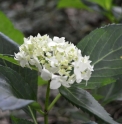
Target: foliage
[(104, 7), (8, 29), (25, 76), (104, 47), (110, 92), (83, 100), (9, 101), (16, 120), (16, 36), (71, 3), (106, 4), (19, 84)]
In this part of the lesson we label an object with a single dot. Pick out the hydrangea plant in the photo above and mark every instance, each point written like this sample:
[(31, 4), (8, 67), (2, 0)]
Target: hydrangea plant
[(95, 62)]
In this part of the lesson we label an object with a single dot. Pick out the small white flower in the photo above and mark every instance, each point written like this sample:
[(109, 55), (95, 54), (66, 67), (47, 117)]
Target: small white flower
[(63, 80), (45, 74), (35, 61), (55, 84), (57, 81), (82, 69), (22, 58), (59, 40)]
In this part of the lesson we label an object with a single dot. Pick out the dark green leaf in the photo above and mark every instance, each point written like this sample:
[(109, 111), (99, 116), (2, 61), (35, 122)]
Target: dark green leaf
[(8, 29), (111, 92), (78, 115), (16, 120), (28, 85), (104, 46), (7, 100), (7, 46), (83, 100), (20, 88), (95, 83), (9, 58)]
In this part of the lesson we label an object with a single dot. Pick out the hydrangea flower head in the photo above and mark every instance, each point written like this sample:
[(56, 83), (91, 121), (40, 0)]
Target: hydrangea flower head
[(57, 60)]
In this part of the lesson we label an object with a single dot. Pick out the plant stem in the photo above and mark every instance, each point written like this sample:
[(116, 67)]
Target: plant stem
[(46, 119), (46, 103), (35, 122), (54, 101), (41, 112)]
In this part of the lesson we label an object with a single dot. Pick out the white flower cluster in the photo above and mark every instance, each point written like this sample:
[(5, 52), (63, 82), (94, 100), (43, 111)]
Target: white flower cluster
[(57, 60)]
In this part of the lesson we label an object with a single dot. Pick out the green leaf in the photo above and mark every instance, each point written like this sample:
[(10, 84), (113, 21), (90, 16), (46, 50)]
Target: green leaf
[(106, 4), (9, 58), (104, 47), (19, 87), (95, 83), (35, 105), (41, 81), (9, 47), (111, 92), (72, 3), (8, 29), (78, 115), (16, 120), (8, 101), (83, 100), (96, 96), (28, 84)]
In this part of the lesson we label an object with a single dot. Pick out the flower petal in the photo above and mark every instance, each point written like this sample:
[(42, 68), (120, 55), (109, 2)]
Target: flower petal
[(78, 75), (45, 74), (63, 81), (55, 84)]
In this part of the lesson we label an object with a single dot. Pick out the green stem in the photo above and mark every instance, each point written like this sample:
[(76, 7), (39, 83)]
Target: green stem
[(46, 103), (45, 119), (41, 112), (54, 101), (35, 122)]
